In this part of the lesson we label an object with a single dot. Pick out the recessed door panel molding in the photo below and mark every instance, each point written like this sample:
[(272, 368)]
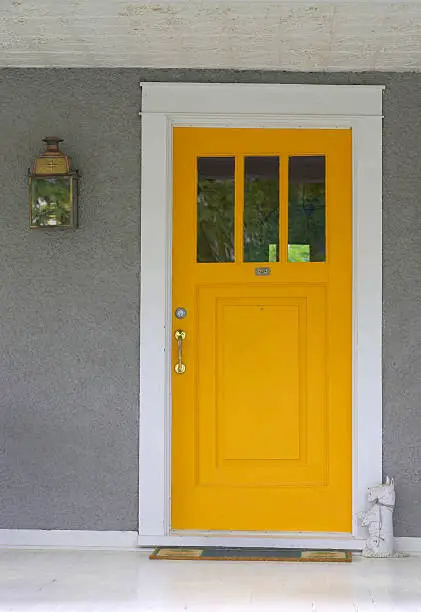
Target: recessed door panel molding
[(248, 408), (231, 436)]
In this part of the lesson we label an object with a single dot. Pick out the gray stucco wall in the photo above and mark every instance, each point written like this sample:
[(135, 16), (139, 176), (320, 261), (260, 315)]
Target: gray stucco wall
[(69, 302)]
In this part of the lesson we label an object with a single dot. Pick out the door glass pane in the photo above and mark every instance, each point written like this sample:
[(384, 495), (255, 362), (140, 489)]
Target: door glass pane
[(261, 209), (307, 209), (215, 209)]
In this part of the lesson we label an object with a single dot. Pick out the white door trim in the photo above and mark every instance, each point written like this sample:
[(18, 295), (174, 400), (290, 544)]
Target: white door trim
[(165, 105)]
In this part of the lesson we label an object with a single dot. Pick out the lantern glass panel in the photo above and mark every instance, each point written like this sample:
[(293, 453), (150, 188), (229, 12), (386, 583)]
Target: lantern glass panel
[(51, 201)]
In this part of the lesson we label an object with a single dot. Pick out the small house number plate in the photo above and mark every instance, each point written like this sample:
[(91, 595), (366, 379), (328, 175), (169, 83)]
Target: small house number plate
[(265, 271)]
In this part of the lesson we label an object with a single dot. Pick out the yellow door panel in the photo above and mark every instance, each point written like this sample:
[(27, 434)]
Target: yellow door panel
[(242, 331), (262, 263)]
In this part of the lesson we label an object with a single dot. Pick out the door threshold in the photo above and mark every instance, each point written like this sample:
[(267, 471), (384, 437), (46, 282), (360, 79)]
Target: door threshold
[(242, 539)]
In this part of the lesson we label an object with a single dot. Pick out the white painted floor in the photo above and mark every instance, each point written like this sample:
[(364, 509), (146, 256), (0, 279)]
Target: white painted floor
[(92, 581)]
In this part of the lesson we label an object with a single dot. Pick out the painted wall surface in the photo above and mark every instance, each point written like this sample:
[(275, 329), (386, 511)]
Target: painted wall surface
[(69, 302)]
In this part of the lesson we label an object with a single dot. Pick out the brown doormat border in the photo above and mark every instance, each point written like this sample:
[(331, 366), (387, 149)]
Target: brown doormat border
[(212, 553)]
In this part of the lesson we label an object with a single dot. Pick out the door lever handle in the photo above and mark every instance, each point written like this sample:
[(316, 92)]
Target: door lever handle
[(180, 336)]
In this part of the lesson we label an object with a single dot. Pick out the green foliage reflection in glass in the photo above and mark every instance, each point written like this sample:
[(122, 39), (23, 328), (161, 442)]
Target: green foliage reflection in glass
[(306, 209), (298, 252), (51, 202), (215, 209), (261, 209)]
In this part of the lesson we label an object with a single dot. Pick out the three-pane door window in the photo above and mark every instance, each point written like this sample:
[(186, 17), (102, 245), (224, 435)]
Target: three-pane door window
[(246, 191)]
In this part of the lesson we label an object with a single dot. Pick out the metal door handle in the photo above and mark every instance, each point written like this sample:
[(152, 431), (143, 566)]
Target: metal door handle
[(180, 336)]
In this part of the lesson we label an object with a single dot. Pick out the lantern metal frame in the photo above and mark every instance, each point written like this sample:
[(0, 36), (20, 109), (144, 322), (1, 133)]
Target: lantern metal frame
[(53, 165)]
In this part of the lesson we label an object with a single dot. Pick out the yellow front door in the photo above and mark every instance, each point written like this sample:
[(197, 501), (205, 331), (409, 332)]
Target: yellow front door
[(262, 288)]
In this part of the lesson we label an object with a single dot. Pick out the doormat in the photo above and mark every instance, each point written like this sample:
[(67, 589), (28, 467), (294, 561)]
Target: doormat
[(210, 553)]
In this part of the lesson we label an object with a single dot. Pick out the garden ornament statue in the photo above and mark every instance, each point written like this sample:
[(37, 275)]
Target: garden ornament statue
[(379, 520)]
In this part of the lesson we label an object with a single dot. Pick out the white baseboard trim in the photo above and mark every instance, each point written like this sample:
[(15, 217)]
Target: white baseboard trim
[(131, 540), (57, 538), (411, 546)]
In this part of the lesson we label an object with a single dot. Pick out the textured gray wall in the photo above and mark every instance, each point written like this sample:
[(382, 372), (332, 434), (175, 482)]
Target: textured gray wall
[(69, 304), (69, 301)]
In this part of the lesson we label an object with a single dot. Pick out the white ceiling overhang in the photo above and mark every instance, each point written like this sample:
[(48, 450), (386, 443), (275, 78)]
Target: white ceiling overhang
[(243, 34)]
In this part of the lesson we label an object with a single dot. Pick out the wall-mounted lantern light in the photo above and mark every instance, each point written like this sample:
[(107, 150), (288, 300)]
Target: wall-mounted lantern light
[(53, 189)]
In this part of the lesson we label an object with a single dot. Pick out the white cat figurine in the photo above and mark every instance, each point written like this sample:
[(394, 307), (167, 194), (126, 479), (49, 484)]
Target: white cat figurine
[(379, 520)]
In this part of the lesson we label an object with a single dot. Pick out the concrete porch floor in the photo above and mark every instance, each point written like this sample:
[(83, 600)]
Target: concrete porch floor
[(97, 581)]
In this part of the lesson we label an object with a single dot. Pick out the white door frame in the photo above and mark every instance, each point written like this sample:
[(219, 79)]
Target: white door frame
[(165, 105)]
